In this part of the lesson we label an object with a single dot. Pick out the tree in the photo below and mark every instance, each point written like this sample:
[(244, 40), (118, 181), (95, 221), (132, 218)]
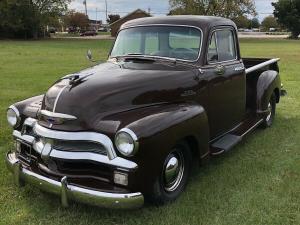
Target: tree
[(27, 19), (113, 18), (242, 22), (255, 23), (76, 19), (224, 8), (288, 14), (269, 22)]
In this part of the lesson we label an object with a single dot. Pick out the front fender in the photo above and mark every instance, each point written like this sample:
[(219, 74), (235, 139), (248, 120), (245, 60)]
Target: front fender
[(29, 107), (267, 83), (160, 129)]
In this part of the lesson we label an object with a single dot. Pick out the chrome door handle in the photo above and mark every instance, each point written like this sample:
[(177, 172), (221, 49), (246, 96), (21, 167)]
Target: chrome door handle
[(240, 68), (220, 69)]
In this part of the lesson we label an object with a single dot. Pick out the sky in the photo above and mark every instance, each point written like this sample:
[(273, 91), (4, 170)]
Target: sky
[(96, 8)]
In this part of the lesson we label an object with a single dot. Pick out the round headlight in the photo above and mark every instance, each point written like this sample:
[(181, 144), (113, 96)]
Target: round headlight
[(13, 116), (126, 142)]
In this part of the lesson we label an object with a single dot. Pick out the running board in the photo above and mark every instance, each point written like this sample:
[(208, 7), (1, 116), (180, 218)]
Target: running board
[(232, 138)]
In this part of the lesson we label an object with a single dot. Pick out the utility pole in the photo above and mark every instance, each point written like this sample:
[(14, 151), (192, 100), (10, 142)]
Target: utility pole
[(85, 4), (106, 9)]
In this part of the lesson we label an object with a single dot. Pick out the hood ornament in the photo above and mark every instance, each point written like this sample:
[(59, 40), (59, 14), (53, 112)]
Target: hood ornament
[(76, 77)]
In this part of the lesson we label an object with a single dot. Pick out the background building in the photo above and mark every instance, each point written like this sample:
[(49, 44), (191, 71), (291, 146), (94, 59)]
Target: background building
[(115, 26)]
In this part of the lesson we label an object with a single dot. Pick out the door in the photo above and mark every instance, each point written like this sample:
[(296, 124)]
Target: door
[(227, 82)]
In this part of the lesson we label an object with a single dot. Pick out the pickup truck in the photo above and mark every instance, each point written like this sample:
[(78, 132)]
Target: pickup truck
[(174, 91)]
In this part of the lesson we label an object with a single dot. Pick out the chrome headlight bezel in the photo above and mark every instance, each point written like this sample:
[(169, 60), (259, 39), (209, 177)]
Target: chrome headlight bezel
[(132, 141), (13, 116)]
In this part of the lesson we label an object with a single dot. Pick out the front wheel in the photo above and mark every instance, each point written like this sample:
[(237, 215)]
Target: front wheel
[(269, 118), (174, 175)]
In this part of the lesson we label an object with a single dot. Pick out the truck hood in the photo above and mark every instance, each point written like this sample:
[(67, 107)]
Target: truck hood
[(111, 88)]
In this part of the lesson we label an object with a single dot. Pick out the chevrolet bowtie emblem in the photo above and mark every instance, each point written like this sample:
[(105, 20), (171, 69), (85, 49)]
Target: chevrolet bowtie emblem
[(55, 118)]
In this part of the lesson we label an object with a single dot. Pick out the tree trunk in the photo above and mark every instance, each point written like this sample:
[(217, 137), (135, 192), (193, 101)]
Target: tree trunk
[(295, 34)]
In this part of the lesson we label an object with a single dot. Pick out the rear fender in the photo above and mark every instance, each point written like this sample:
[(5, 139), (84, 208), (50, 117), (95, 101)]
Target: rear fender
[(268, 83)]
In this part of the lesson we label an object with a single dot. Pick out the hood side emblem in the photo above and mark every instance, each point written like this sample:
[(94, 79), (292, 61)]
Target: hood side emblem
[(55, 118)]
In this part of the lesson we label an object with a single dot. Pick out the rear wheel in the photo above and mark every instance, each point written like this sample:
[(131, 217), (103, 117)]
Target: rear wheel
[(269, 118), (174, 175)]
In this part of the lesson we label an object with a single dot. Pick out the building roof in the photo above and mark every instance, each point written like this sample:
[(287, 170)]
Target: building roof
[(128, 15)]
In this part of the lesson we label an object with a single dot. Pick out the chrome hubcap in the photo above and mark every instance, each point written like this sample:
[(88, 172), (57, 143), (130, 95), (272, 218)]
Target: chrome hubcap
[(173, 171), (270, 112)]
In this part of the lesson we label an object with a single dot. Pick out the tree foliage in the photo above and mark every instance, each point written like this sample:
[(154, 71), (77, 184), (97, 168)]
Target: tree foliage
[(255, 23), (269, 22), (113, 18), (224, 8), (28, 18), (76, 19), (242, 22), (288, 14)]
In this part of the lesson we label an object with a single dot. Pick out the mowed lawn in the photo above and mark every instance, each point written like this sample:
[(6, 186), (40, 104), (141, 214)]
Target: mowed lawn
[(258, 182)]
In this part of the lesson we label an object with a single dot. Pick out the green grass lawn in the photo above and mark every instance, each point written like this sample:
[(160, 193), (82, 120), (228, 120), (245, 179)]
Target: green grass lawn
[(258, 182)]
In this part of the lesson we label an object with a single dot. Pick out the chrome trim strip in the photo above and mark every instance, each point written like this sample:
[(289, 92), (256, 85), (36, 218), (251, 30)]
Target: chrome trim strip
[(252, 128), (261, 65), (57, 115), (71, 192), (26, 138), (118, 162), (78, 136), (57, 97), (170, 25), (30, 122)]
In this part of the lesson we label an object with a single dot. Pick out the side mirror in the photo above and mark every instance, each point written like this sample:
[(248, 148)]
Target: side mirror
[(89, 55)]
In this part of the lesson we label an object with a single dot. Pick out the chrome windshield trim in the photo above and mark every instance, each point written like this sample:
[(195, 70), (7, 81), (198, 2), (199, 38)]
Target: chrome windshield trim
[(118, 162), (170, 25), (57, 115), (78, 136)]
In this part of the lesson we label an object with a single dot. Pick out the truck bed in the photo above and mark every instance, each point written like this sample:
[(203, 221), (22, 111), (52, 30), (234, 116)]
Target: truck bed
[(254, 68)]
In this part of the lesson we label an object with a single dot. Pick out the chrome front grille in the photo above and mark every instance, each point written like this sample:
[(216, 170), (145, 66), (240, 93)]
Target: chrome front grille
[(48, 144), (79, 146)]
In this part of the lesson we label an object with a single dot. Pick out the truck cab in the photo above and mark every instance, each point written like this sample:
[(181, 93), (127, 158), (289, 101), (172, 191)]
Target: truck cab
[(174, 90)]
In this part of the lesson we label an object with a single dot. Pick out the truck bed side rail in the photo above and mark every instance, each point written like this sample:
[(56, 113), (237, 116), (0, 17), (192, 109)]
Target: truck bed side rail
[(261, 65)]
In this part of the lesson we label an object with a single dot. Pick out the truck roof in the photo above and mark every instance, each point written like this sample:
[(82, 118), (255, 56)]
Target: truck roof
[(202, 22)]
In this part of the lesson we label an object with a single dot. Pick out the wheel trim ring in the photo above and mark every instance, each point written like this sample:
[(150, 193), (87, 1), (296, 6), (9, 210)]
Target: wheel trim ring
[(269, 116), (172, 186)]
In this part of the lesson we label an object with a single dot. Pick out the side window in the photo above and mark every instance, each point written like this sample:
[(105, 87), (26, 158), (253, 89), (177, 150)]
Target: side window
[(151, 43), (212, 49), (225, 46)]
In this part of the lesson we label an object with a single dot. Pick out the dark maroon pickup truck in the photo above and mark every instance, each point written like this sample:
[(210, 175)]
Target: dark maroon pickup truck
[(174, 90)]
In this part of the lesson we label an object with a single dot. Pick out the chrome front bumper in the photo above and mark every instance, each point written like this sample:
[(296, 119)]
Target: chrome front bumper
[(69, 192)]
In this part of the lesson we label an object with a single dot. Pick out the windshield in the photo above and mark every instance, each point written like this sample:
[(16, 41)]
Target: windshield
[(163, 41)]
